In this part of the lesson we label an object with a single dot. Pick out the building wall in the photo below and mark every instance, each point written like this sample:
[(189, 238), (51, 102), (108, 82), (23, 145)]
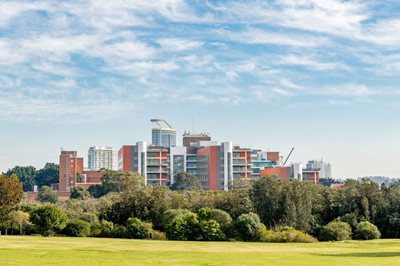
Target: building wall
[(283, 173), (70, 166), (102, 157), (207, 167), (188, 139)]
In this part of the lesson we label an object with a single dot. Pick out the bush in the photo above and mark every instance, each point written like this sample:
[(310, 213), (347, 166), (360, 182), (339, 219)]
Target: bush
[(77, 228), (157, 235), (210, 231), (335, 231), (46, 194), (119, 231), (183, 227), (138, 229), (248, 225), (285, 234), (48, 220), (103, 229), (366, 230), (169, 215)]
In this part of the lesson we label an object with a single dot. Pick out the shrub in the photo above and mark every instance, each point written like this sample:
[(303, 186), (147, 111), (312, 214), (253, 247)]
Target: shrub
[(138, 229), (46, 194), (119, 231), (350, 218), (335, 231), (103, 229), (183, 227), (157, 235), (48, 220), (169, 215), (248, 225), (77, 228), (285, 234), (366, 230), (210, 231)]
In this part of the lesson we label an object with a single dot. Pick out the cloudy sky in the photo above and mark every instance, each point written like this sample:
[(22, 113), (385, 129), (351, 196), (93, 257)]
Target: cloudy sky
[(322, 76)]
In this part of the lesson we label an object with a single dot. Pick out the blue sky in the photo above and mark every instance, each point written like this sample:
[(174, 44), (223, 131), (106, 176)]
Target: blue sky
[(319, 75)]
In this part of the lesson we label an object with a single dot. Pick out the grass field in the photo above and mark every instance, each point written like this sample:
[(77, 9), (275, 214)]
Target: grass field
[(16, 250)]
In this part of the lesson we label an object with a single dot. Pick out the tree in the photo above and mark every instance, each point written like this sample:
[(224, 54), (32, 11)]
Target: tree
[(186, 181), (77, 228), (247, 226), (365, 231), (117, 181), (211, 231), (80, 193), (266, 195), (26, 175), (138, 229), (48, 220), (21, 220), (10, 194), (183, 227), (48, 175), (46, 194), (335, 231)]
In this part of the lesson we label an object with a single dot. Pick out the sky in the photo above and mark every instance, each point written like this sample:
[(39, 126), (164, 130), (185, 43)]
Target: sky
[(322, 76)]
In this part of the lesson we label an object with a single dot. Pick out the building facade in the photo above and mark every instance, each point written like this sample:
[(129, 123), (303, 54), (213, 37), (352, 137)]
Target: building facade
[(102, 157), (188, 139), (162, 134)]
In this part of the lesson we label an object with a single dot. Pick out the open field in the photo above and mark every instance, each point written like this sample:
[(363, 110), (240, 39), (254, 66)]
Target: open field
[(16, 250)]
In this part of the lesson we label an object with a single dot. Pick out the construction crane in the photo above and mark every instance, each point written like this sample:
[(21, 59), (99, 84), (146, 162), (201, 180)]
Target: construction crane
[(287, 158)]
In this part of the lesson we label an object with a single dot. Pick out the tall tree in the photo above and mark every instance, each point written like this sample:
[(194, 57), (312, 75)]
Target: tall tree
[(186, 181), (26, 175), (48, 175), (10, 195)]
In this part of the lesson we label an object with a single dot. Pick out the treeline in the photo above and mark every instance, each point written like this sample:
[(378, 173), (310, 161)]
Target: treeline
[(267, 210), (29, 176)]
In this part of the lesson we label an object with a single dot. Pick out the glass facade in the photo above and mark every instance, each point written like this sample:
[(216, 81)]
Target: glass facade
[(163, 137)]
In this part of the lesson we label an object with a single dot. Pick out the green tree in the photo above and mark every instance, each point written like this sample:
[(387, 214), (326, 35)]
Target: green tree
[(80, 193), (26, 175), (77, 228), (46, 194), (186, 181), (248, 225), (138, 229), (48, 220), (48, 175), (20, 219), (266, 195), (365, 231), (10, 195), (183, 227), (335, 231), (211, 231)]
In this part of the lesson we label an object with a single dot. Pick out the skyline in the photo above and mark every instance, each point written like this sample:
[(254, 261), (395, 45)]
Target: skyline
[(318, 75)]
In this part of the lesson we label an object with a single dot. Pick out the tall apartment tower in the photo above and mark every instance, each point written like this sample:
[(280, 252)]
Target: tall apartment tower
[(70, 167), (162, 134), (102, 157), (189, 138)]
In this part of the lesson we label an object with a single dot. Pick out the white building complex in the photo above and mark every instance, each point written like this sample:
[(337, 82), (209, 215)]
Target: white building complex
[(102, 157)]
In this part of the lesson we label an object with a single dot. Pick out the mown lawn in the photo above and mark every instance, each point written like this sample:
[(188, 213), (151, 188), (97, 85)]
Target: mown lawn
[(16, 250)]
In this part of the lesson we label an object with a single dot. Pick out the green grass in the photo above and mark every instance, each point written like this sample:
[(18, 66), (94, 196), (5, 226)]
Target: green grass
[(17, 250)]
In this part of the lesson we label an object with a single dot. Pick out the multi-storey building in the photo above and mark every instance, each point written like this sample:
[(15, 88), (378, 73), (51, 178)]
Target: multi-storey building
[(324, 169), (102, 157), (71, 173), (189, 138), (70, 168), (163, 134)]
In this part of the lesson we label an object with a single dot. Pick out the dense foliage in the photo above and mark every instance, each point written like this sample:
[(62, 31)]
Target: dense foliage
[(30, 176), (267, 210)]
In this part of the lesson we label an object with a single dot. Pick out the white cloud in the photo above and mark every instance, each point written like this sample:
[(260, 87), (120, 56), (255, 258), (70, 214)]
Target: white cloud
[(310, 62), (177, 45), (257, 36)]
